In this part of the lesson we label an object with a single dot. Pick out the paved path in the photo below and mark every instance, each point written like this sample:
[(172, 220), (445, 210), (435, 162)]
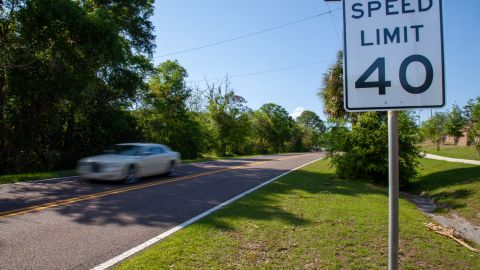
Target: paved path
[(77, 224), (467, 161)]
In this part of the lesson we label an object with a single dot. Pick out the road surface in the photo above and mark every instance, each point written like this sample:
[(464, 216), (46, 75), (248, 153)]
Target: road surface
[(77, 224)]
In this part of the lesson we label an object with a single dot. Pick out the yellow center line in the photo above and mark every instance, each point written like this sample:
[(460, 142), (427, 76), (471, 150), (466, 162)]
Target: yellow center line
[(49, 205)]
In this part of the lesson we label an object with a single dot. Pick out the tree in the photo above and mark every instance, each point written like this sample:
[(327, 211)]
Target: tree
[(63, 87), (165, 117), (473, 116), (362, 153), (455, 123), (280, 126), (312, 120), (312, 128), (331, 93), (228, 118), (435, 128)]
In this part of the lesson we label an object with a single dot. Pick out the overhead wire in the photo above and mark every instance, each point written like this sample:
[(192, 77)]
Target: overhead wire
[(333, 25), (263, 72), (247, 35)]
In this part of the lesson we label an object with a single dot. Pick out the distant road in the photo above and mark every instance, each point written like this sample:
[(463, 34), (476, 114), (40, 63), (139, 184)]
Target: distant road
[(77, 224)]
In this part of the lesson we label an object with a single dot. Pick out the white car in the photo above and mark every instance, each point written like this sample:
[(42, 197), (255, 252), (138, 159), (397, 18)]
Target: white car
[(129, 162)]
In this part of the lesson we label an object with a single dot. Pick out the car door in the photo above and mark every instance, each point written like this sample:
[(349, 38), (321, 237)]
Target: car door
[(148, 161), (161, 160)]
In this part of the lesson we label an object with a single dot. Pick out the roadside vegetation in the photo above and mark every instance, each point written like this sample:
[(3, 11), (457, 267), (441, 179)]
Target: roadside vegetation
[(66, 94), (456, 123), (24, 177), (309, 219), (455, 187), (357, 143)]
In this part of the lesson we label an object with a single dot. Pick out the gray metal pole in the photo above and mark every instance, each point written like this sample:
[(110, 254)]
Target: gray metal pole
[(393, 184)]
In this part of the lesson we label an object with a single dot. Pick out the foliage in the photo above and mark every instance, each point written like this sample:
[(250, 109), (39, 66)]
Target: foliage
[(276, 129), (475, 124), (165, 118), (331, 93), (435, 128), (76, 77), (227, 115), (455, 123), (65, 92), (312, 129), (363, 153)]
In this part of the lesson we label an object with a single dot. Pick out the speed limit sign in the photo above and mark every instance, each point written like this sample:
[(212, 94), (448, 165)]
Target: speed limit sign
[(393, 53)]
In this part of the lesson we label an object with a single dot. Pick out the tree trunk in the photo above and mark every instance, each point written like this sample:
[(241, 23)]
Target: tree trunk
[(438, 146)]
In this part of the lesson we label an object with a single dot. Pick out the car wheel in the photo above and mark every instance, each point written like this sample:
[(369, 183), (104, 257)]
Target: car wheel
[(131, 176), (171, 168)]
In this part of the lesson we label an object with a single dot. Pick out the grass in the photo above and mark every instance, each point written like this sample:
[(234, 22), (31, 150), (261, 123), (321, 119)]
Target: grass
[(450, 150), (455, 186), (13, 178), (308, 219)]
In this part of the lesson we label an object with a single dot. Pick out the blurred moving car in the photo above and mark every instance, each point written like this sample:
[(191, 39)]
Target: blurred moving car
[(129, 162)]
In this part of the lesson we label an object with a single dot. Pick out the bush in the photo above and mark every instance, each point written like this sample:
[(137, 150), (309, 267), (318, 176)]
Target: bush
[(363, 154)]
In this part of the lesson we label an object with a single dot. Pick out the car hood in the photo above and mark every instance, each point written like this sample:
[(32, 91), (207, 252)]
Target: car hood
[(110, 158)]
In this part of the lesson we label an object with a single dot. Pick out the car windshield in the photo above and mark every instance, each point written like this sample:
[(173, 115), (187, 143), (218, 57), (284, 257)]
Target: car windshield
[(126, 150)]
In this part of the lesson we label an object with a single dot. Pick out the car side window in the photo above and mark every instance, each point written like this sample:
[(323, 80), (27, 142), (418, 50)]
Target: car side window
[(158, 150)]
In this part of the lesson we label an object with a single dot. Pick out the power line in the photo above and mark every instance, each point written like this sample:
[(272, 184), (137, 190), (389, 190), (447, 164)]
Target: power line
[(334, 26), (263, 72), (247, 35)]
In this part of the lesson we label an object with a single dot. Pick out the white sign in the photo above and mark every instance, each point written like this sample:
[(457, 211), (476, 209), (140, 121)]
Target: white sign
[(393, 53)]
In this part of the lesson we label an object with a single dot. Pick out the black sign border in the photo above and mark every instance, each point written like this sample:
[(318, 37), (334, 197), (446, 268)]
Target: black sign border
[(345, 72)]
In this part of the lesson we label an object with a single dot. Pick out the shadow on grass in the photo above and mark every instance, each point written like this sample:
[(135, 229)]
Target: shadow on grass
[(446, 178), (265, 204)]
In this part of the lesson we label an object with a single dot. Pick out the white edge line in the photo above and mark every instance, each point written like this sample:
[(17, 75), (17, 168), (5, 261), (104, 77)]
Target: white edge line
[(164, 235)]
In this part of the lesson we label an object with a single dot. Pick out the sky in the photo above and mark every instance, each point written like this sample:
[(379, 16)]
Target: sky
[(285, 65)]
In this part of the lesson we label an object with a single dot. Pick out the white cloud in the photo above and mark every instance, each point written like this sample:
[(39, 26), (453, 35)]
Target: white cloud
[(297, 112)]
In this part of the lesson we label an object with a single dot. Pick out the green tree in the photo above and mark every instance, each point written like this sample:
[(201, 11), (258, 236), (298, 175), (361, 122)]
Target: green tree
[(312, 120), (331, 93), (362, 153), (280, 128), (473, 116), (354, 153), (228, 118), (312, 129), (165, 117), (65, 92), (435, 129), (455, 123)]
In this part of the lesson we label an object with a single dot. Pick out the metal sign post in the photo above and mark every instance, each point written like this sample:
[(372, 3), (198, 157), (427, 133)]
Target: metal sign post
[(393, 60), (393, 189)]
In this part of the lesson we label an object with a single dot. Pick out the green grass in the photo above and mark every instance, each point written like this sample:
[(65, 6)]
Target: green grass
[(448, 150), (308, 219), (13, 178), (455, 186)]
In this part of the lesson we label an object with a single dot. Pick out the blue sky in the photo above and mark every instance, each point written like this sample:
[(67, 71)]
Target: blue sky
[(185, 24)]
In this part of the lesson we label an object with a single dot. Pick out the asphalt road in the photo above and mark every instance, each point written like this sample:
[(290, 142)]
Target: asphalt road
[(78, 224)]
